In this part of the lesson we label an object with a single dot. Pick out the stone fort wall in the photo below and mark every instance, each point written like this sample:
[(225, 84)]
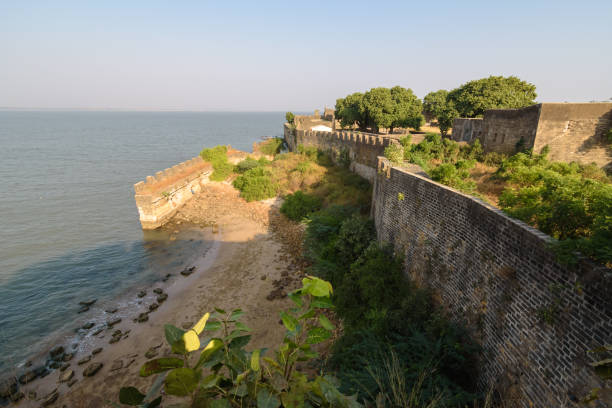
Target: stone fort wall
[(160, 196), (361, 149), (572, 131), (499, 276)]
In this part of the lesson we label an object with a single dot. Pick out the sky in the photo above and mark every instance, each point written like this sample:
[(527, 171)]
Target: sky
[(289, 55)]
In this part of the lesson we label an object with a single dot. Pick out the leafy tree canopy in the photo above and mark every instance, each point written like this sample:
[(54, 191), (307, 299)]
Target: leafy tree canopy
[(473, 98), (380, 108), (434, 102)]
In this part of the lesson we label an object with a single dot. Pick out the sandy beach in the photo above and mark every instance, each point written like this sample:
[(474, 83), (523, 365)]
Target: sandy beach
[(248, 264)]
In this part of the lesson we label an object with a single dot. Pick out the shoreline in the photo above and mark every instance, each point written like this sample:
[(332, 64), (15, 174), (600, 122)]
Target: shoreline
[(229, 275)]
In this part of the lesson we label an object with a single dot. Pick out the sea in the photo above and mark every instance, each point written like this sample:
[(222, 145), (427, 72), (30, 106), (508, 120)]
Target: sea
[(69, 229)]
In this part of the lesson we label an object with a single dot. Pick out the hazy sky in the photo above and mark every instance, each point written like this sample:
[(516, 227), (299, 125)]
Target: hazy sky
[(268, 55)]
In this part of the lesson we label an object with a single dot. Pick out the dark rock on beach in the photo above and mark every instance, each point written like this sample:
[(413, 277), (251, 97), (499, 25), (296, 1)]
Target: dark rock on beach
[(88, 302), (188, 271), (96, 351), (143, 317), (83, 309), (162, 297), (142, 293), (153, 306), (50, 399), (56, 352), (17, 396), (158, 291), (113, 322), (67, 356), (92, 369), (88, 326), (112, 310), (84, 360)]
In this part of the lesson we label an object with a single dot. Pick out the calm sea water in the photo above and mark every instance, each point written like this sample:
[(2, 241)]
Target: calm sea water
[(69, 226)]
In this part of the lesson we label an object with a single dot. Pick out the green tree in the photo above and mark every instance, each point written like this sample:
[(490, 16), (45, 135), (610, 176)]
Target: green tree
[(290, 117), (349, 111), (446, 114), (407, 109), (473, 98), (378, 108), (434, 102)]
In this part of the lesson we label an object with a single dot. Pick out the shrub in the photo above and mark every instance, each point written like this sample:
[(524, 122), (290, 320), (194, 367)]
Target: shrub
[(310, 152), (217, 156), (290, 117), (395, 153), (247, 164), (299, 205), (272, 146), (406, 140), (227, 375), (256, 184), (570, 201), (454, 175)]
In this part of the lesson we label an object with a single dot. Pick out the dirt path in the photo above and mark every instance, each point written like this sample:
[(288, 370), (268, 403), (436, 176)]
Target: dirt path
[(238, 272)]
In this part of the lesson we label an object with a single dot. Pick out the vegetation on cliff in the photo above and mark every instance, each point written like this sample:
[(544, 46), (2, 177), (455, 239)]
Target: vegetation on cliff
[(570, 201), (217, 156)]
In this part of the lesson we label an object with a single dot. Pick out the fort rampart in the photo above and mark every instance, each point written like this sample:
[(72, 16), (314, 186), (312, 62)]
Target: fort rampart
[(160, 196), (572, 131), (360, 149), (535, 318)]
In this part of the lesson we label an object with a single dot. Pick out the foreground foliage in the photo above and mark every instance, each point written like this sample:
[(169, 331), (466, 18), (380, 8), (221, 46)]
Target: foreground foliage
[(225, 374)]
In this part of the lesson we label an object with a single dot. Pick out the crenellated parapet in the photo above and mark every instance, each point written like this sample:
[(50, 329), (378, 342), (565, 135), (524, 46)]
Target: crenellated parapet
[(360, 148), (160, 196)]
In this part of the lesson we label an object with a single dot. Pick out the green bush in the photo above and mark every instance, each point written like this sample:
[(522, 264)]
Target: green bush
[(569, 201), (310, 152), (272, 146), (247, 164), (395, 153), (454, 175), (406, 140), (256, 184), (299, 205), (217, 156)]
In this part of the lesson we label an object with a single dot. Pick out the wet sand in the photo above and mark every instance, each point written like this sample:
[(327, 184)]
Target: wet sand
[(230, 275)]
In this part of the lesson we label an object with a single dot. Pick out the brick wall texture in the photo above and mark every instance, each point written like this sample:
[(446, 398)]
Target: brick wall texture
[(498, 276)]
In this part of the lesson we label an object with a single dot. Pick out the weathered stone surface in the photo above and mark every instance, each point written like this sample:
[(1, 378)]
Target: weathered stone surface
[(113, 322), (92, 369), (84, 360), (28, 377), (66, 376), (17, 396), (67, 356), (96, 351), (72, 382)]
